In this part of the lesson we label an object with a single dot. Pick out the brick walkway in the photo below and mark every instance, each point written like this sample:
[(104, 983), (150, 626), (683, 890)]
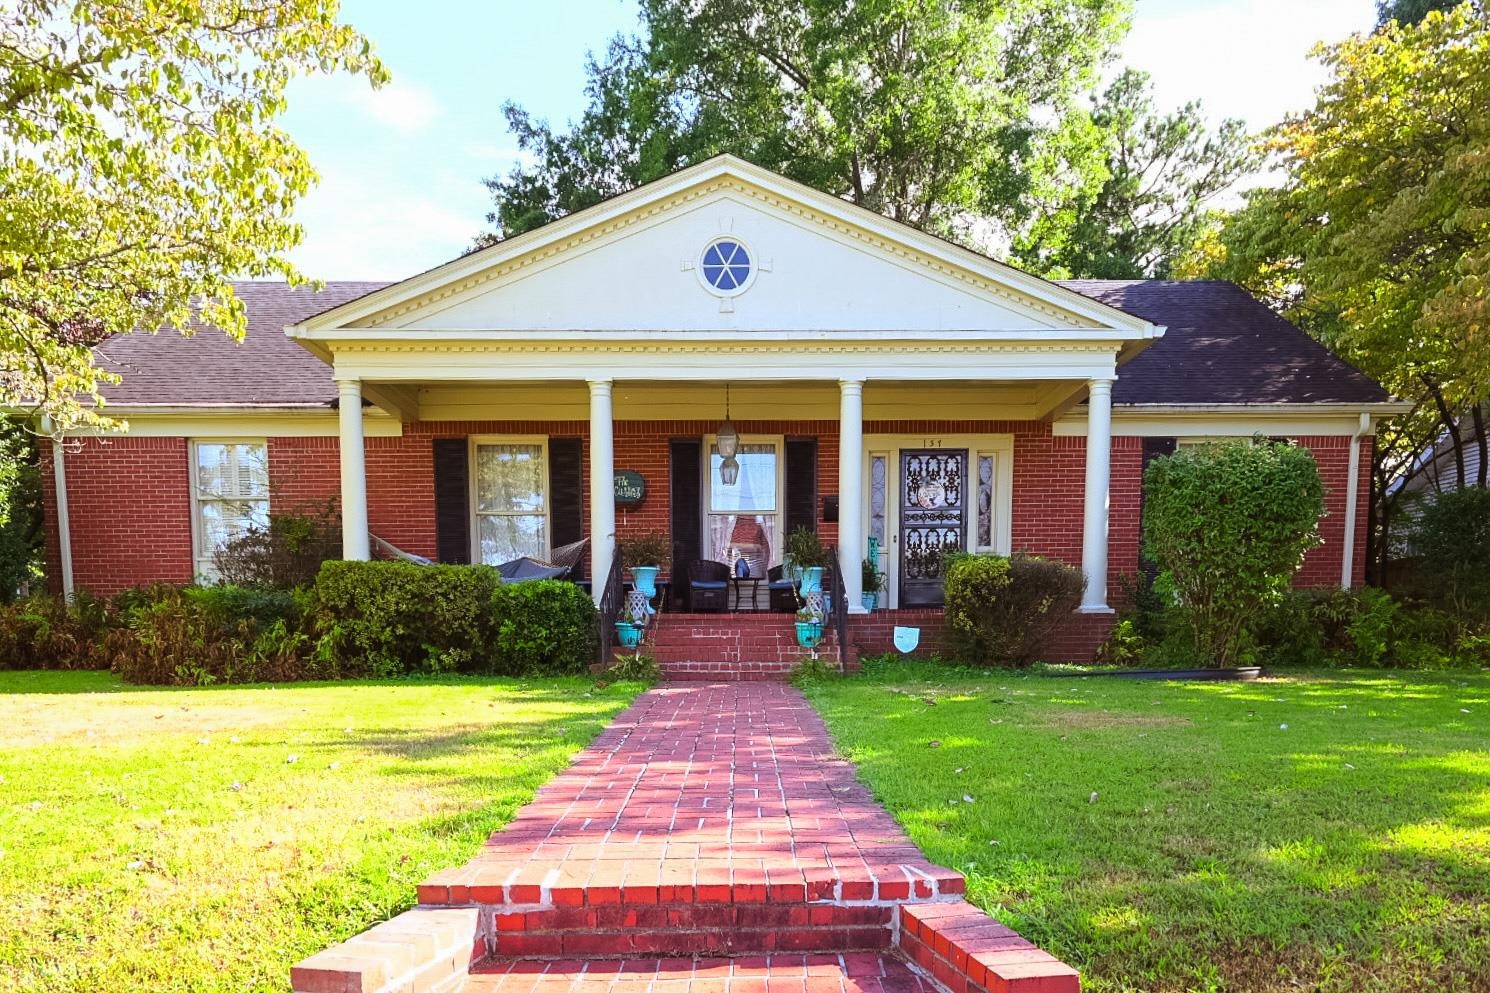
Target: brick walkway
[(709, 822)]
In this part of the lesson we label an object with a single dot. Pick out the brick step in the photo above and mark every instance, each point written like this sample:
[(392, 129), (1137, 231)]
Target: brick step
[(690, 929), (850, 973), (683, 671)]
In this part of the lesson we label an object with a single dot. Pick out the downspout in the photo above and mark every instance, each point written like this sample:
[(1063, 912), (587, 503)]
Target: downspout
[(64, 525), (1352, 493)]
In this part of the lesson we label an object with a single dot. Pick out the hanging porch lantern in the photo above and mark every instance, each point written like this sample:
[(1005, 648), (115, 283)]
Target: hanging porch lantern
[(727, 441)]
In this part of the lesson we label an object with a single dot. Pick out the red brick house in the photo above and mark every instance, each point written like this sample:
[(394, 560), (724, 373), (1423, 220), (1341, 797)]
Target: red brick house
[(886, 387)]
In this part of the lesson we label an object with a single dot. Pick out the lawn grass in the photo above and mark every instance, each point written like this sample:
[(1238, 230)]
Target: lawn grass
[(205, 840), (1325, 831)]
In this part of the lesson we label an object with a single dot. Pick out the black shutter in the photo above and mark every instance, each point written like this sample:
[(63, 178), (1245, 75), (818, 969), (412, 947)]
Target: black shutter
[(801, 484), (452, 500), (685, 477), (1153, 448), (566, 488)]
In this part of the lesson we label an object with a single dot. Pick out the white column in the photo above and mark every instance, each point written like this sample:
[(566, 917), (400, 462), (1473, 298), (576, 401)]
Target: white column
[(64, 521), (1098, 475), (602, 486), (354, 541), (851, 549)]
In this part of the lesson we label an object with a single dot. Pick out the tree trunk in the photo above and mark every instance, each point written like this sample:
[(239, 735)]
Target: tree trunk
[(1447, 417), (1481, 443)]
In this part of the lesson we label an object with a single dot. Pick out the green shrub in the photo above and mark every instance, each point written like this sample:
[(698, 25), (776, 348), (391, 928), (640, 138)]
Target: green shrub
[(1452, 536), (544, 627), (1364, 627), (631, 669), (1001, 611), (1229, 525), (398, 618), (198, 636), (45, 632), (286, 554)]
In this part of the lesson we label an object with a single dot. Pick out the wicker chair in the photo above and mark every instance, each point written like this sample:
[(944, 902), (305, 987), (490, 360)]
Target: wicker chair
[(708, 585), (782, 591)]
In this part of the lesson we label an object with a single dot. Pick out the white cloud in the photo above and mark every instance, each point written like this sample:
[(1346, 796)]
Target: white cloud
[(1240, 58), (402, 106)]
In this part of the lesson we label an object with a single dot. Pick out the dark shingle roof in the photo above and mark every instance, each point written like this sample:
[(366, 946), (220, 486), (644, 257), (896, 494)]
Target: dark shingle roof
[(1223, 346), (266, 368)]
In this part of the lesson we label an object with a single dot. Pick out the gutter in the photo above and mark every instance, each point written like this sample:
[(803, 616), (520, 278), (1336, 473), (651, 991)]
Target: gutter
[(64, 522), (1352, 498)]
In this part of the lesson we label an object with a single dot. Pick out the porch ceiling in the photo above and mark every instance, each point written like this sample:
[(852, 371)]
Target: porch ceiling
[(653, 400)]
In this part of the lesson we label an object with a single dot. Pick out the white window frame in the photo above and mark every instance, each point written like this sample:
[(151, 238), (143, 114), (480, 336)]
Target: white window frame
[(475, 442), (706, 496), (201, 556)]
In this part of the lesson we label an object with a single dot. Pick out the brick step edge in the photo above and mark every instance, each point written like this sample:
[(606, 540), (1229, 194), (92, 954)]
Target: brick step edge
[(966, 951), (529, 889), (428, 949)]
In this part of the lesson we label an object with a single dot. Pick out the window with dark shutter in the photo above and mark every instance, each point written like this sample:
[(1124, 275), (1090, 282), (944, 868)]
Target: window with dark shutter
[(452, 501), (566, 488), (801, 484)]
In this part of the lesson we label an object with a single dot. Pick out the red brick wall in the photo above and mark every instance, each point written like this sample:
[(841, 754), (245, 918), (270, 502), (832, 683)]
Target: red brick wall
[(129, 504), (147, 534)]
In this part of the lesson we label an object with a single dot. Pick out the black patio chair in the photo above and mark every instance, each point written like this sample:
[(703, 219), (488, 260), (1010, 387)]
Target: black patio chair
[(708, 585), (782, 591)]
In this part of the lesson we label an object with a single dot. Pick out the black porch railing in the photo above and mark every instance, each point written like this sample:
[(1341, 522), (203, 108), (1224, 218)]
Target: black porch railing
[(840, 609), (612, 597)]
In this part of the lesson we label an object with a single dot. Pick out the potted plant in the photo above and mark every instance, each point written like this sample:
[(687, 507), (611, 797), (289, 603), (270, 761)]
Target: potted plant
[(643, 555), (628, 633), (808, 558), (809, 626), (873, 583)]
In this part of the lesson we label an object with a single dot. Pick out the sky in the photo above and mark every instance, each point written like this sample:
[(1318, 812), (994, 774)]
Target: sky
[(401, 167)]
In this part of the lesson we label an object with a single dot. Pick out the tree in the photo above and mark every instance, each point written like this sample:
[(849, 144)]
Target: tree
[(1228, 525), (1378, 239), (1161, 171), (140, 170), (938, 113), (20, 510), (1410, 12)]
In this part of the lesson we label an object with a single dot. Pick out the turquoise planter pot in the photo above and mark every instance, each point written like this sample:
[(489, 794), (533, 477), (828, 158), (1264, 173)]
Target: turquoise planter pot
[(630, 635), (645, 578), (809, 633), (870, 601), (812, 579)]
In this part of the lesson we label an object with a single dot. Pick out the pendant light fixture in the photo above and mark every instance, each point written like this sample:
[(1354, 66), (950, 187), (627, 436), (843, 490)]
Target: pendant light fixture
[(727, 441)]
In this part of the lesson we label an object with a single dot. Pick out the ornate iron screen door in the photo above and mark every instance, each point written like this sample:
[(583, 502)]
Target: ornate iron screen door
[(933, 520)]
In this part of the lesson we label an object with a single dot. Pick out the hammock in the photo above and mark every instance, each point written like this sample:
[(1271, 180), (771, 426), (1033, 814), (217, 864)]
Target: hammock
[(392, 551)]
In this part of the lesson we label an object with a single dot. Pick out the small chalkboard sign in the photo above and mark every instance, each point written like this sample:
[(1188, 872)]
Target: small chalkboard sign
[(630, 486)]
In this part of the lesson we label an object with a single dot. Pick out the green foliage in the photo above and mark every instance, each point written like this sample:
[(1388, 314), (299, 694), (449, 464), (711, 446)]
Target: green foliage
[(806, 549), (652, 548), (200, 636), (286, 554), (1229, 525), (1377, 241), (1001, 611), (43, 632), (812, 671), (636, 668), (871, 580), (1318, 627), (544, 627), (21, 552), (1159, 173), (399, 618), (1410, 12), (1452, 535), (142, 171), (932, 112)]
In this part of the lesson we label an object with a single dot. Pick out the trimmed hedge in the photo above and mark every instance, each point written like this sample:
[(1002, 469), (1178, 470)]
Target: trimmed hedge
[(545, 626), (1002, 611), (399, 618)]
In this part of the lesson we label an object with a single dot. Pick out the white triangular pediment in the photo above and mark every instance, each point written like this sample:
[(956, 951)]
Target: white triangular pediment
[(817, 265)]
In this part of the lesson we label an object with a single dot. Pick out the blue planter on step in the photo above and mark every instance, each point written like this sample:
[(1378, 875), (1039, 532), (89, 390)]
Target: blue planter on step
[(645, 578), (870, 601), (812, 579)]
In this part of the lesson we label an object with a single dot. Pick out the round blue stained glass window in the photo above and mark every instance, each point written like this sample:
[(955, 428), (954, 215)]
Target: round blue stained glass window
[(726, 265)]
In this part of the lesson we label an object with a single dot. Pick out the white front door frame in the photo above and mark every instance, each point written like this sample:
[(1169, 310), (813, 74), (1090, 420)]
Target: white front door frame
[(999, 446)]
